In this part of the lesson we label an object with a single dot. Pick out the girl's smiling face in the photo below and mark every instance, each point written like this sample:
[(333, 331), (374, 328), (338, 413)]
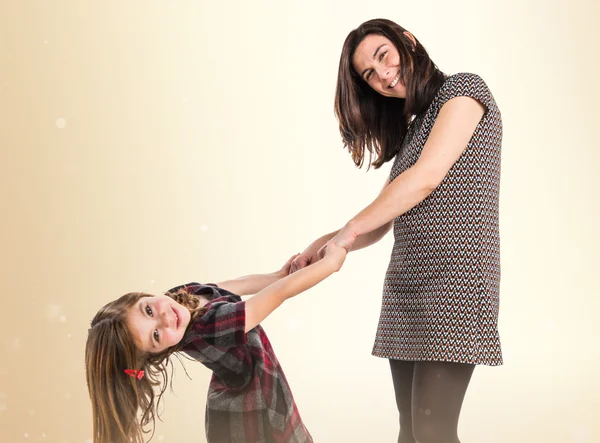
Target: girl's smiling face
[(157, 323)]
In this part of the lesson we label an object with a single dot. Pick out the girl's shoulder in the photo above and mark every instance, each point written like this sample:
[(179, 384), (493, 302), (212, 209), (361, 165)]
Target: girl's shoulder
[(209, 290)]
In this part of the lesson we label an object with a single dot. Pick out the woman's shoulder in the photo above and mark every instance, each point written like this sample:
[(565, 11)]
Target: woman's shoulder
[(463, 80), (464, 84)]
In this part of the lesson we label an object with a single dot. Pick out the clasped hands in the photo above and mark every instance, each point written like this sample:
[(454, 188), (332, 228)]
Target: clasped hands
[(344, 238)]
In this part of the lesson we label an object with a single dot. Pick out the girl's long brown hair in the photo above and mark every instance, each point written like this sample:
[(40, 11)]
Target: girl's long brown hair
[(369, 121), (123, 406)]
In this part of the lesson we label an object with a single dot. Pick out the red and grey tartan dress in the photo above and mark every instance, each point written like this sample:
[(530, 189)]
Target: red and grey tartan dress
[(249, 399)]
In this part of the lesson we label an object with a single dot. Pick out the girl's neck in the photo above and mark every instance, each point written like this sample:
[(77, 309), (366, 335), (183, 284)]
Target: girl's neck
[(203, 300)]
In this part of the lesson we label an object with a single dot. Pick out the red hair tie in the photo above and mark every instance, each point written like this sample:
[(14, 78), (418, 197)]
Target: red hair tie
[(136, 373)]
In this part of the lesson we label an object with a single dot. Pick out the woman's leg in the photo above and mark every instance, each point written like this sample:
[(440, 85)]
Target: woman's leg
[(437, 396), (402, 376)]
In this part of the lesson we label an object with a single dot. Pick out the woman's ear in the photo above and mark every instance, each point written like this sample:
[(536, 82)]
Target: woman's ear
[(412, 39)]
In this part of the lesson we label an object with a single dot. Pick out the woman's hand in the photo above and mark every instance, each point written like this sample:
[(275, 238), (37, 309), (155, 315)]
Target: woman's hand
[(345, 238), (302, 260), (311, 254), (285, 270)]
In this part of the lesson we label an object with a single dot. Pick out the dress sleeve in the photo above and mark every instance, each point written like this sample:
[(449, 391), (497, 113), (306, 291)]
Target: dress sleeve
[(223, 324), (465, 85), (218, 340)]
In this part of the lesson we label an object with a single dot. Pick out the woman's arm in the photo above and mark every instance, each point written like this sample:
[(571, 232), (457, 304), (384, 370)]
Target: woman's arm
[(372, 237), (449, 136)]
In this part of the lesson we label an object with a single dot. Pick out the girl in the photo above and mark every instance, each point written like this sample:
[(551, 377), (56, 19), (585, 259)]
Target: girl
[(439, 315), (249, 400)]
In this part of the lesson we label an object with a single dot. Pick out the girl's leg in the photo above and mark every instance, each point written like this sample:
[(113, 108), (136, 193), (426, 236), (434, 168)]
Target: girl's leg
[(438, 392), (402, 376)]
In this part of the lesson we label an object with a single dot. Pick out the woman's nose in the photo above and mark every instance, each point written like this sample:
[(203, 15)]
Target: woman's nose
[(383, 72)]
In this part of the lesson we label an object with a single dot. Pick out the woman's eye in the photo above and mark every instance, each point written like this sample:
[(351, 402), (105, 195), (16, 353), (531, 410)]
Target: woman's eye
[(149, 311), (382, 55), (156, 334), (368, 76)]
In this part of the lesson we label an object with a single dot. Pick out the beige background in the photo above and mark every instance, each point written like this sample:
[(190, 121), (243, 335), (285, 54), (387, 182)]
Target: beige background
[(147, 144)]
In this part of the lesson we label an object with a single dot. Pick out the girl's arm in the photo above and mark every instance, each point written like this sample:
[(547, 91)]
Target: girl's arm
[(266, 301), (370, 238), (251, 284)]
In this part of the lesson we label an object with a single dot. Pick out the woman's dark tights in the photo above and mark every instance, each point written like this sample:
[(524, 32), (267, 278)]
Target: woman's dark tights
[(429, 396)]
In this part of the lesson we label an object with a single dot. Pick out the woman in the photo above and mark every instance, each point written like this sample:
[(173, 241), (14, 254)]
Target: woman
[(440, 297)]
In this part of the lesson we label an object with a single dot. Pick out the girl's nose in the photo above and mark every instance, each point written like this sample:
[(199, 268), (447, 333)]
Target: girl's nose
[(165, 319)]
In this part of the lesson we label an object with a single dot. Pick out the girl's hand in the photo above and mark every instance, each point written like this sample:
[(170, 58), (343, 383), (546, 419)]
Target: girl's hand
[(285, 270), (334, 253)]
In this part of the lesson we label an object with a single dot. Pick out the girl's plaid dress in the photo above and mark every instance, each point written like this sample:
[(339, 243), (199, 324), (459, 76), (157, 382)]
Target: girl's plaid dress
[(249, 399)]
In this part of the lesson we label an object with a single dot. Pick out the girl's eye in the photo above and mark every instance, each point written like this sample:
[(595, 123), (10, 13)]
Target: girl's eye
[(149, 311), (382, 55), (156, 334), (368, 76)]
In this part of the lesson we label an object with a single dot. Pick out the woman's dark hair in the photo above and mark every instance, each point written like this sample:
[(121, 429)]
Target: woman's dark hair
[(368, 120)]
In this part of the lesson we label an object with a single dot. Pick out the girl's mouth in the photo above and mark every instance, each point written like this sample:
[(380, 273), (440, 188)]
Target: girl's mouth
[(176, 317)]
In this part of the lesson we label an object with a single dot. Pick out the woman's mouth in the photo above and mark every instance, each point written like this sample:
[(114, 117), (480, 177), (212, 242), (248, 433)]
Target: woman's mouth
[(395, 81)]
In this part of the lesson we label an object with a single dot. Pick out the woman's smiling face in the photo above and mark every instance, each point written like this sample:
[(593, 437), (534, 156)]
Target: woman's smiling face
[(377, 62)]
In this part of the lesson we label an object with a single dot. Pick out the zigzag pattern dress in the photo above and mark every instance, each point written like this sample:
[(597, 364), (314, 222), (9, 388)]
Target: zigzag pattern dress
[(441, 289)]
